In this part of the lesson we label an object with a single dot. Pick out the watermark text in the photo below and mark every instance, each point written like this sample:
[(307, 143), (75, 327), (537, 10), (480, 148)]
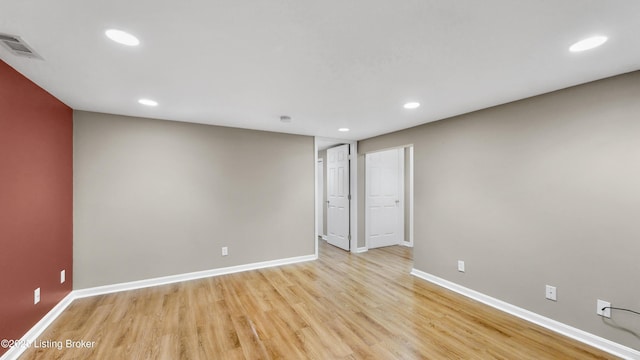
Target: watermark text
[(48, 344)]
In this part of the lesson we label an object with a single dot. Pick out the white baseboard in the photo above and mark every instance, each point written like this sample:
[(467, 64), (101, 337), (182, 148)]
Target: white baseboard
[(133, 285), (324, 237), (361, 250), (553, 325), (31, 336), (38, 328)]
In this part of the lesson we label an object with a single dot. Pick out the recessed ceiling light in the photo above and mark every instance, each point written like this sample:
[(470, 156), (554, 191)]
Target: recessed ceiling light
[(412, 105), (122, 37), (588, 43), (148, 102), (343, 129)]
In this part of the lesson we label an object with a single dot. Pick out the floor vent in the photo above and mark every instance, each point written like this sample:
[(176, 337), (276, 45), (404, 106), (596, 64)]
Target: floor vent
[(18, 47)]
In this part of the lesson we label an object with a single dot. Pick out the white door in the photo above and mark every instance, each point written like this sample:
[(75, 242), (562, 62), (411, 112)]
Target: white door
[(384, 218), (338, 196), (320, 198)]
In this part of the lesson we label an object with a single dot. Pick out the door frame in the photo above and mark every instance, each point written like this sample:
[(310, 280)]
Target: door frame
[(353, 189), (404, 242), (411, 194), (319, 196)]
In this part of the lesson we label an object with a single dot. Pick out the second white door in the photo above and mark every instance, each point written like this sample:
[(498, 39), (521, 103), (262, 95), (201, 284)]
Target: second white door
[(384, 219)]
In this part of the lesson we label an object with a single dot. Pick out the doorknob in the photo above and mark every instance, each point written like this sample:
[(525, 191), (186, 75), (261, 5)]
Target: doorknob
[(397, 202)]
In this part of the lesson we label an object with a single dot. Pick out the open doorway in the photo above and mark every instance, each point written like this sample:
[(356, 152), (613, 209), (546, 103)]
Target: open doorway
[(338, 197), (359, 244), (389, 197), (338, 222)]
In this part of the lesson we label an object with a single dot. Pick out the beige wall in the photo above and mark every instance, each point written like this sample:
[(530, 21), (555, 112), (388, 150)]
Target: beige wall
[(541, 191), (155, 198)]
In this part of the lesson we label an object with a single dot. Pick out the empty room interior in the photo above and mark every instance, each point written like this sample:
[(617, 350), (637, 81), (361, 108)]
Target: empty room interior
[(319, 180)]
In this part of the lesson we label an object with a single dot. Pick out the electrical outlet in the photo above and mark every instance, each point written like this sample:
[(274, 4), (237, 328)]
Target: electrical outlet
[(550, 293), (460, 265), (225, 251), (63, 276), (36, 296), (603, 304)]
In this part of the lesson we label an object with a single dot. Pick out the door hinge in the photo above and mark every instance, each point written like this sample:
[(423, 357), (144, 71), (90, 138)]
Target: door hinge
[(349, 197), (349, 237)]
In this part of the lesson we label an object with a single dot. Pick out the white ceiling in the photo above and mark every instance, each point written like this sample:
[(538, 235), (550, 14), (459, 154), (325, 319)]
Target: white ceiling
[(327, 64)]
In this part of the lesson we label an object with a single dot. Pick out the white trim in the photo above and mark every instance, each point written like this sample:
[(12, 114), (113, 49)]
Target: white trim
[(140, 284), (353, 188), (361, 250), (367, 213), (324, 237), (38, 328), (553, 325), (315, 193), (390, 148), (401, 196), (319, 196)]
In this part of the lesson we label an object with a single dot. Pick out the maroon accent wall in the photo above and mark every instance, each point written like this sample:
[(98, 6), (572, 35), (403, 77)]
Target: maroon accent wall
[(36, 179)]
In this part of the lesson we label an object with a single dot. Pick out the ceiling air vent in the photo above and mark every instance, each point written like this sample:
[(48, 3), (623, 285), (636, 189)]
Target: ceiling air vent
[(17, 46)]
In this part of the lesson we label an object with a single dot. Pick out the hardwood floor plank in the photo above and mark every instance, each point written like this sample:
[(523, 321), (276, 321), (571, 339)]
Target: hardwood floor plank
[(342, 306)]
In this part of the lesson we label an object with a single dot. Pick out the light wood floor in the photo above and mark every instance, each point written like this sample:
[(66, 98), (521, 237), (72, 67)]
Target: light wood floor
[(343, 306)]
